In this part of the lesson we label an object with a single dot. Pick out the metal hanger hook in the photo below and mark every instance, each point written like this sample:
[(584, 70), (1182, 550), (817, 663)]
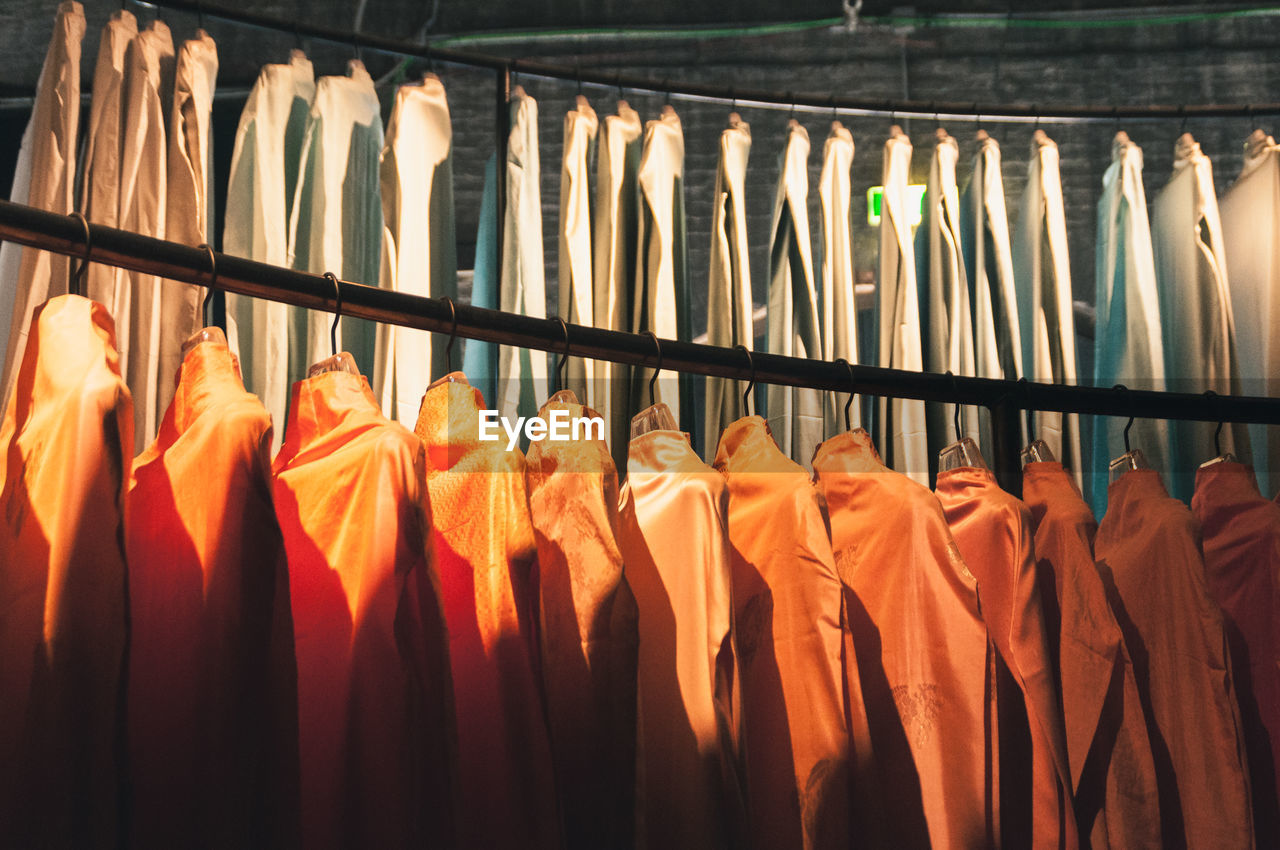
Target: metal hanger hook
[(853, 386), (1027, 411), (337, 311), (657, 367), (562, 366), (1128, 394), (81, 273), (751, 384), (453, 335), (213, 280), (955, 388), (1212, 398)]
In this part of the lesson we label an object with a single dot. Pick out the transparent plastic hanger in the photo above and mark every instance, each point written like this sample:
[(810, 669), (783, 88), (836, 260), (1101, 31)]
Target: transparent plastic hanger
[(1221, 456), (1132, 458), (1037, 451), (657, 416), (208, 333), (564, 395), (341, 361), (964, 451)]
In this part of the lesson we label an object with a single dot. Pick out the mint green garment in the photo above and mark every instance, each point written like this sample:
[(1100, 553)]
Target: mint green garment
[(480, 359), (260, 193)]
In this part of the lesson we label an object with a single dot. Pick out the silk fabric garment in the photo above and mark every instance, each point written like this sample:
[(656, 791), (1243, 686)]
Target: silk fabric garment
[(419, 240), (1242, 559), (921, 648), (672, 515), (44, 178), (1042, 273), (836, 292), (212, 693), (66, 448), (730, 310), (260, 195), (1250, 212), (1148, 551), (795, 413), (576, 294), (994, 534), (589, 638), (900, 423), (788, 607), (374, 720), (1112, 770), (484, 542), (1195, 310)]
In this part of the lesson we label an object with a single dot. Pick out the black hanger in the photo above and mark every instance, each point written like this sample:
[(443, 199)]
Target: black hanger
[(792, 114), (1027, 411), (657, 367), (853, 386), (1211, 397), (955, 388), (751, 385), (78, 279), (562, 366), (453, 335), (337, 311), (213, 280), (1129, 395)]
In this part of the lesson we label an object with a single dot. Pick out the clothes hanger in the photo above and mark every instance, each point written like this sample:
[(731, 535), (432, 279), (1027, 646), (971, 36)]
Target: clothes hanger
[(1132, 458), (747, 397), (1219, 455), (77, 282), (340, 361), (206, 333), (564, 395), (657, 416), (853, 386), (1036, 451), (449, 377), (964, 451)]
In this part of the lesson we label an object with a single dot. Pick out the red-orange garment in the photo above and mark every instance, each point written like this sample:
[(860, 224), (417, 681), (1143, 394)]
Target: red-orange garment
[(212, 700), (1116, 800), (1242, 558), (672, 517), (788, 603), (921, 649), (373, 724), (65, 448), (1148, 552), (994, 534), (589, 639), (485, 547)]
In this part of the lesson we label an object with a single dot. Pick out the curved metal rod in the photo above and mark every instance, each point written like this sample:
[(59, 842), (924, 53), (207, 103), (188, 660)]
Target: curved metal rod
[(562, 366), (1129, 395), (657, 368), (954, 386), (337, 311), (1211, 397), (751, 385), (853, 385), (453, 335), (83, 269), (213, 281)]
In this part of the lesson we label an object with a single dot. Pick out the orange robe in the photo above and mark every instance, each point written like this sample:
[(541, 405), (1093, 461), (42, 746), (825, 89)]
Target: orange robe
[(485, 546), (788, 603), (1242, 557), (65, 448), (1148, 551), (212, 682), (671, 514), (589, 640), (921, 646), (1112, 771), (994, 533), (374, 730)]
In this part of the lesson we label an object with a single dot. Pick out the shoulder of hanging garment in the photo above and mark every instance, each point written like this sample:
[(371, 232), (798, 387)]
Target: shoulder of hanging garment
[(898, 143), (583, 114), (625, 123), (71, 17), (839, 136)]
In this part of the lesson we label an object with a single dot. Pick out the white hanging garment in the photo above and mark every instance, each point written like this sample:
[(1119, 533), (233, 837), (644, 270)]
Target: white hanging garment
[(613, 267), (660, 295), (336, 221), (946, 317), (729, 304), (1128, 343), (1042, 272), (522, 374), (839, 308), (44, 178), (264, 176), (419, 240), (189, 204), (576, 292), (1195, 309), (100, 180), (795, 413), (900, 428), (1250, 212), (144, 186), (988, 259)]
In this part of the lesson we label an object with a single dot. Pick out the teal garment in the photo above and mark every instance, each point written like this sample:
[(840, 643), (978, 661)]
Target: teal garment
[(337, 214), (1128, 342), (480, 360)]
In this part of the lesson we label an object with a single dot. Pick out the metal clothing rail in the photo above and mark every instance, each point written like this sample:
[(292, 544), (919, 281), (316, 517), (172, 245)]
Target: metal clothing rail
[(726, 93), (61, 234)]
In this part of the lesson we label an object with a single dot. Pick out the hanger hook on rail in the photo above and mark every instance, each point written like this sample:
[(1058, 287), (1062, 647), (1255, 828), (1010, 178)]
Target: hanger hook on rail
[(955, 388), (82, 271), (563, 365), (853, 387), (213, 281), (337, 311), (653, 379), (1025, 386), (1128, 395), (453, 335), (751, 384), (1212, 398)]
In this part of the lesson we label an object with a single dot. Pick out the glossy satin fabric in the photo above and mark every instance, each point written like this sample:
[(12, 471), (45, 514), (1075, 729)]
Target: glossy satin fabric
[(418, 240), (994, 534), (260, 190), (484, 543), (65, 450), (1042, 273), (921, 650), (1242, 559), (1148, 551), (672, 515), (44, 178), (576, 294), (788, 606), (1195, 310), (836, 293), (589, 638), (374, 725), (1112, 770), (212, 699), (729, 306)]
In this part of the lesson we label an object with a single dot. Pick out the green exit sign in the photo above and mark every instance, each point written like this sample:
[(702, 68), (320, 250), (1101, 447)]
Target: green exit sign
[(875, 195)]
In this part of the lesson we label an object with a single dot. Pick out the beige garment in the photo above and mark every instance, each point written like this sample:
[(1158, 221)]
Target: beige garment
[(577, 292), (672, 516), (44, 178), (788, 615), (839, 307), (921, 648)]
